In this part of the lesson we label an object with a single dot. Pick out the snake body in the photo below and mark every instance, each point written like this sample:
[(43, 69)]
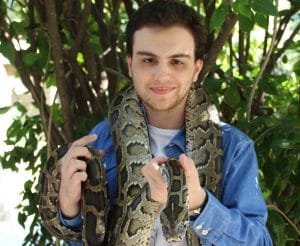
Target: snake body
[(175, 218), (131, 219)]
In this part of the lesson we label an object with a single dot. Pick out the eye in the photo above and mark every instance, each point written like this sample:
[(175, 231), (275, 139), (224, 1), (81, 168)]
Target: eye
[(148, 60), (177, 62)]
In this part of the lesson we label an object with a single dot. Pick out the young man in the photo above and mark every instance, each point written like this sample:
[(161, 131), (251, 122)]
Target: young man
[(165, 50)]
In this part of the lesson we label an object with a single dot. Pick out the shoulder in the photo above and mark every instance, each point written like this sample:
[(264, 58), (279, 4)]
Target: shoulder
[(239, 151), (233, 136), (236, 146)]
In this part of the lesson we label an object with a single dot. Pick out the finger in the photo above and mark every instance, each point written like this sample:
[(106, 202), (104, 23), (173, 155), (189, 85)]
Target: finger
[(159, 160), (76, 152), (84, 140), (77, 165), (152, 171), (73, 166), (79, 177), (154, 165), (187, 164)]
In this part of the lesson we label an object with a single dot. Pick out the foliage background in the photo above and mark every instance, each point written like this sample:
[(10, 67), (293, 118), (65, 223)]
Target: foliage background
[(252, 71)]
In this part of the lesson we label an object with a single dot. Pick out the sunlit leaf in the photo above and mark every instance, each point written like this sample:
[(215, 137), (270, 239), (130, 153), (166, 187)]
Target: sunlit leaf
[(4, 110), (20, 107), (246, 24), (8, 51), (28, 185), (242, 7), (265, 7), (218, 17), (50, 81), (18, 27), (21, 219), (285, 59), (261, 20)]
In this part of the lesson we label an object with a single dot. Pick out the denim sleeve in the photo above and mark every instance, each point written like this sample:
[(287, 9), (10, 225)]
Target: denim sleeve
[(74, 223), (240, 217)]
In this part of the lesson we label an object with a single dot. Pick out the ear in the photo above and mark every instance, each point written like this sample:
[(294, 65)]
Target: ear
[(129, 63), (198, 68)]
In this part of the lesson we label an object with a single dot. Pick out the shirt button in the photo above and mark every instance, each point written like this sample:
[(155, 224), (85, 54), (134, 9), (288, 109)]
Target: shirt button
[(199, 227), (204, 232)]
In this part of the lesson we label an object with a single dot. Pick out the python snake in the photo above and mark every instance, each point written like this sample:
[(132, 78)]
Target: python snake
[(130, 221)]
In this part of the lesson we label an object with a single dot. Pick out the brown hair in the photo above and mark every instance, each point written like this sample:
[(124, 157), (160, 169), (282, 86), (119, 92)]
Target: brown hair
[(166, 13)]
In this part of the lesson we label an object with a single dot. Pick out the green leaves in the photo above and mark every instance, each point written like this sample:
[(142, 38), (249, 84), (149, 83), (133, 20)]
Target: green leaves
[(268, 86), (218, 17), (242, 7), (17, 28), (261, 20), (24, 136), (274, 124), (232, 95), (247, 18), (30, 58), (277, 224), (265, 7), (246, 23), (7, 50), (4, 110), (296, 68)]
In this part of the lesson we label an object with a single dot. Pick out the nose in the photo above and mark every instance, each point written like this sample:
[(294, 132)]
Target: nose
[(162, 71)]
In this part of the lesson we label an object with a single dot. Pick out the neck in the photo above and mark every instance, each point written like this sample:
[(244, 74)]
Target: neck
[(167, 119)]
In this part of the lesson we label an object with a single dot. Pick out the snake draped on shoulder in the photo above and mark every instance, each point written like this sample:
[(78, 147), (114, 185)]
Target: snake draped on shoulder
[(131, 219)]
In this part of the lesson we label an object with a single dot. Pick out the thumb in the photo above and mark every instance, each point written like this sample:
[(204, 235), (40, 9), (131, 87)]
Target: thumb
[(187, 165), (184, 162)]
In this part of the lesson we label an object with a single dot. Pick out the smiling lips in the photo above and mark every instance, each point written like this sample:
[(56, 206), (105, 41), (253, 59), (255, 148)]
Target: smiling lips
[(162, 90)]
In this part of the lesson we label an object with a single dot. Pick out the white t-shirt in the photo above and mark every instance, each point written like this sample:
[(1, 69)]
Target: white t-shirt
[(159, 138)]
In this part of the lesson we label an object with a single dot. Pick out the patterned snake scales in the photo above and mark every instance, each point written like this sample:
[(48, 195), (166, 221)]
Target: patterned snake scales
[(131, 219)]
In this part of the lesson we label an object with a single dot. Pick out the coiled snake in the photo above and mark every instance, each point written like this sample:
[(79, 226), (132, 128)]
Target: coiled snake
[(131, 219)]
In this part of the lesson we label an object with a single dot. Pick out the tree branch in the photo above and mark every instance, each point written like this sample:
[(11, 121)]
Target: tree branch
[(275, 56), (259, 75), (242, 57), (129, 9), (218, 44), (266, 38), (38, 98), (82, 27), (273, 207), (209, 8), (57, 55)]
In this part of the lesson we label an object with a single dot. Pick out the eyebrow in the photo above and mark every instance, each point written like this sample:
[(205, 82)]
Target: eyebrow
[(179, 55)]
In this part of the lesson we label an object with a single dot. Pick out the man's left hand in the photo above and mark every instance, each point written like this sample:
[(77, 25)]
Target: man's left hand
[(196, 193)]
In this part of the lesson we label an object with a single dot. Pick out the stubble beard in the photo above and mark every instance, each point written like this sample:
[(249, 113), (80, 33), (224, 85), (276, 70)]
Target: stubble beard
[(146, 100)]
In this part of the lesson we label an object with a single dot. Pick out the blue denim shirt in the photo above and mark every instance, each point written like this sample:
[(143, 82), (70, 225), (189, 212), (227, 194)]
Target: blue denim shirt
[(239, 218)]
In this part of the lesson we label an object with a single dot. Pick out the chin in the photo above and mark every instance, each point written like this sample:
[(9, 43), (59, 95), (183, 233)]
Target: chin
[(159, 107)]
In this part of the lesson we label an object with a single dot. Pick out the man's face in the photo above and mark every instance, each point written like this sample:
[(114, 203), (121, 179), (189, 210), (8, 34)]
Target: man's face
[(163, 66)]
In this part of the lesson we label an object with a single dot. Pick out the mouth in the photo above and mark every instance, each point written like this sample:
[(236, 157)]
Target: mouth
[(162, 90)]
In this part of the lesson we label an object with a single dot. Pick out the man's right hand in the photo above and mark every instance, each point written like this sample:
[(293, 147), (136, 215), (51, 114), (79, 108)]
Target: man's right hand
[(73, 172)]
